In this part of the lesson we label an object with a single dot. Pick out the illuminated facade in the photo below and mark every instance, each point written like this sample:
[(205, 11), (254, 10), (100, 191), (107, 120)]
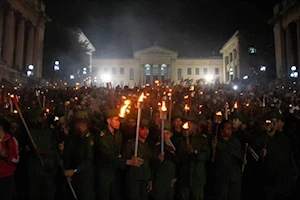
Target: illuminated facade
[(22, 26), (156, 63)]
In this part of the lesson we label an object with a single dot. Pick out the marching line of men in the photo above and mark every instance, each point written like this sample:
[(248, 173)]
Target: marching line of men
[(89, 163)]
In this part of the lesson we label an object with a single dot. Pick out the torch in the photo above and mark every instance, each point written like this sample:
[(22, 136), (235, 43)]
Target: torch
[(186, 109), (124, 108), (170, 107), (163, 116), (15, 101), (139, 105), (218, 120), (186, 128)]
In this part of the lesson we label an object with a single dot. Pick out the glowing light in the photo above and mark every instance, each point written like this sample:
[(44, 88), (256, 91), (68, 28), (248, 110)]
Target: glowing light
[(47, 110), (245, 77), (186, 97), (186, 107), (192, 88), (235, 87), (29, 73), (163, 107), (235, 106), (293, 68), (105, 77), (263, 68), (56, 68), (56, 62), (15, 112), (209, 77), (84, 72), (141, 98), (186, 126), (124, 108), (219, 113), (31, 67)]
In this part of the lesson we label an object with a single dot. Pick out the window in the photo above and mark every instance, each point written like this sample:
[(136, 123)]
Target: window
[(122, 70), (131, 74), (105, 70), (205, 71), (230, 57), (189, 71), (234, 54), (252, 50), (113, 71), (197, 71), (217, 71), (179, 74)]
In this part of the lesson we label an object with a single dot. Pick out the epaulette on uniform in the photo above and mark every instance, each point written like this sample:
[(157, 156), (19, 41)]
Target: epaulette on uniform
[(88, 134), (102, 133)]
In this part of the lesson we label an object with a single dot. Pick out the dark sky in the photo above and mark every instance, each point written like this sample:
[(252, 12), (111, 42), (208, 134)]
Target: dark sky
[(192, 27)]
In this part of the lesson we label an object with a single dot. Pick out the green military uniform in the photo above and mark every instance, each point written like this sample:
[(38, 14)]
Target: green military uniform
[(137, 178), (108, 162), (80, 157), (228, 169), (41, 177), (164, 172)]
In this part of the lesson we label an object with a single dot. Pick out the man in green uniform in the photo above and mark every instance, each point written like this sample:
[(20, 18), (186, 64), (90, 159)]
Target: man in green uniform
[(108, 158), (193, 152), (42, 160), (80, 158), (164, 168), (228, 162), (138, 179)]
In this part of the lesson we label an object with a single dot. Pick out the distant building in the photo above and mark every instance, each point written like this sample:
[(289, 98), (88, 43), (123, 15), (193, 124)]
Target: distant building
[(286, 22), (21, 38), (245, 55), (155, 63)]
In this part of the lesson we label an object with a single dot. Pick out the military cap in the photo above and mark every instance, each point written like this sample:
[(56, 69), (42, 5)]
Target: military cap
[(131, 116), (35, 113), (81, 115), (145, 123), (192, 118), (167, 126), (176, 114), (237, 115), (112, 113)]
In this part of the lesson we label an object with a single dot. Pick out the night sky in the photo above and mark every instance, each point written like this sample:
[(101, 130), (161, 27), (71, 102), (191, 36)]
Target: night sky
[(193, 28)]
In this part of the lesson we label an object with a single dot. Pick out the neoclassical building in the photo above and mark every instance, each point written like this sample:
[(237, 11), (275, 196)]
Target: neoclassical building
[(22, 26), (156, 63), (286, 22)]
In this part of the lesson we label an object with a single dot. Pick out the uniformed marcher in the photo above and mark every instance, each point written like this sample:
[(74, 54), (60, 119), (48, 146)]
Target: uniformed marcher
[(41, 171), (228, 160), (193, 151), (80, 162), (164, 168), (109, 159), (138, 179)]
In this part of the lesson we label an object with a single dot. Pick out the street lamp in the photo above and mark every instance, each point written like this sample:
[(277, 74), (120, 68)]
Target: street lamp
[(56, 62), (235, 87), (245, 77), (72, 77), (293, 68), (30, 67), (263, 68)]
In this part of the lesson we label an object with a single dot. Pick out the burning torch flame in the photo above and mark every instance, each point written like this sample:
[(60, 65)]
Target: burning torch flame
[(186, 126), (163, 107), (141, 98), (219, 113), (186, 107), (235, 105), (124, 108), (186, 97)]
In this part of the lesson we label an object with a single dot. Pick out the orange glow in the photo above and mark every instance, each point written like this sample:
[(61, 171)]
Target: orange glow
[(219, 113), (47, 110), (186, 126), (163, 107), (247, 105), (192, 88), (186, 107), (186, 97), (235, 105), (15, 112), (141, 98), (124, 109)]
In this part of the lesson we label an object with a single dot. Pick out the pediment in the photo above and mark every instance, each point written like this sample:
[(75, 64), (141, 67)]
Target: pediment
[(155, 50)]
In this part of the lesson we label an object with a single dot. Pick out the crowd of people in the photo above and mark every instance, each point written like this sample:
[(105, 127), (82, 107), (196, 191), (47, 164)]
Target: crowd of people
[(215, 142)]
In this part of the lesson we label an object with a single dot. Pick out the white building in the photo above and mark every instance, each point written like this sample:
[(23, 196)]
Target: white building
[(156, 63)]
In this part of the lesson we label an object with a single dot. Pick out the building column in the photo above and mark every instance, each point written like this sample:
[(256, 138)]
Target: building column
[(1, 29), (280, 53), (8, 51), (151, 74), (160, 72), (29, 47), (38, 48), (289, 50), (20, 44), (298, 42)]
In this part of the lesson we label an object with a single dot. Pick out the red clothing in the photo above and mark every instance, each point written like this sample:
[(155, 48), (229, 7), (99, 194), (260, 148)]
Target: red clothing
[(8, 163)]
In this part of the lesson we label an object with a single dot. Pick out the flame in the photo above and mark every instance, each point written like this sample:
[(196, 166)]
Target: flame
[(186, 126), (163, 107), (201, 92), (235, 105), (15, 112), (186, 107), (157, 81), (186, 97), (169, 94), (247, 105), (12, 96), (192, 88), (76, 98), (219, 113), (141, 98), (123, 109), (47, 110)]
